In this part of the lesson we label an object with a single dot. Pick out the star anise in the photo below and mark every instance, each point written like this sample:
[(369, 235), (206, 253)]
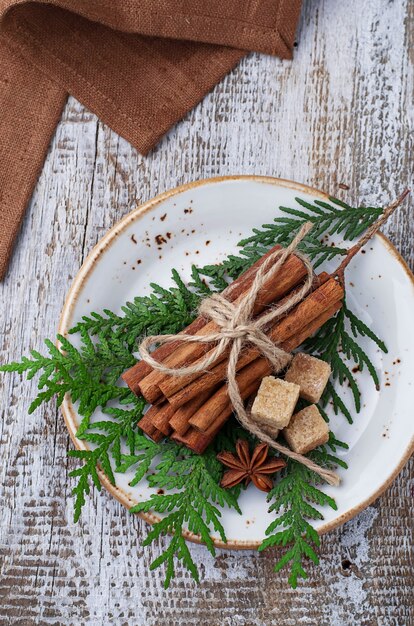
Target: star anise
[(243, 467)]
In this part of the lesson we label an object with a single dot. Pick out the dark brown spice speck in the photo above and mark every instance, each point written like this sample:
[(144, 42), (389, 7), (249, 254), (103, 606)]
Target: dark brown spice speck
[(162, 218), (160, 240), (133, 239)]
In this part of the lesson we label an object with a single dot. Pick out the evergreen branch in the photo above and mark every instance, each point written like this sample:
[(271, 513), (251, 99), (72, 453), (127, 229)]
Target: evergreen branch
[(193, 480), (106, 437), (292, 500), (327, 343)]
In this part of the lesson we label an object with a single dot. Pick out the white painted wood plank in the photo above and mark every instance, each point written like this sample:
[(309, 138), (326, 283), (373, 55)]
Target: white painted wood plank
[(342, 112)]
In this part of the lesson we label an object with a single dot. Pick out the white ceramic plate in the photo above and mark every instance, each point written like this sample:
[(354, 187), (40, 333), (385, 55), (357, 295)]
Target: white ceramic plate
[(201, 223)]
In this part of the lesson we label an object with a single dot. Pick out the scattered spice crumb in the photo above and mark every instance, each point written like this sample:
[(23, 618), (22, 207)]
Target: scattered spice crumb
[(193, 231), (125, 262), (364, 251), (139, 261), (160, 492), (133, 239), (197, 251), (88, 300), (344, 186), (187, 254), (352, 284), (188, 210), (133, 267), (160, 240), (208, 242), (388, 384), (356, 369), (169, 235), (162, 218)]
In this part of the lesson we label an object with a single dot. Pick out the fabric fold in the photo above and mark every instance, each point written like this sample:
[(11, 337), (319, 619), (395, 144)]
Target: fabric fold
[(140, 65)]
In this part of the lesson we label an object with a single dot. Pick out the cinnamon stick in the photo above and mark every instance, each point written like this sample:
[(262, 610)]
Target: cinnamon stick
[(149, 429), (310, 308), (137, 372), (179, 420), (291, 274), (193, 439), (160, 417), (249, 377)]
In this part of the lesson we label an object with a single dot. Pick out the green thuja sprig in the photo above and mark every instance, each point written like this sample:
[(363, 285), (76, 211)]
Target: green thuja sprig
[(338, 338), (89, 374), (192, 481), (294, 499), (164, 311), (327, 219), (106, 437)]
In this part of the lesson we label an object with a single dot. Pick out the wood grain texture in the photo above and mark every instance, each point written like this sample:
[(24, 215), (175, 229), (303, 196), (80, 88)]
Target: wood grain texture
[(342, 112)]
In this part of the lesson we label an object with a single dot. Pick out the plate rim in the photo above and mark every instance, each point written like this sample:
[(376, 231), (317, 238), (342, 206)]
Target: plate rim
[(65, 322)]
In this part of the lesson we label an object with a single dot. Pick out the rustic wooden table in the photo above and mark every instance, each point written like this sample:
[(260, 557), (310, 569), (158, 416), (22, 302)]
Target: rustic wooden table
[(342, 112)]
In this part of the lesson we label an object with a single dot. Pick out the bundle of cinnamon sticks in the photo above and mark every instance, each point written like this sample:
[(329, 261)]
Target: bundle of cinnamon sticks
[(192, 409)]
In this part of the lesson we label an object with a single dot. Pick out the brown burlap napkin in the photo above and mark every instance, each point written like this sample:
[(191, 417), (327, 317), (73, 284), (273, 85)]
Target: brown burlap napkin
[(140, 65)]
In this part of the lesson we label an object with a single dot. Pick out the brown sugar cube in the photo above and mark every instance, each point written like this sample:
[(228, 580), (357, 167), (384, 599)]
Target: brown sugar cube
[(307, 430), (311, 374), (270, 430), (275, 402)]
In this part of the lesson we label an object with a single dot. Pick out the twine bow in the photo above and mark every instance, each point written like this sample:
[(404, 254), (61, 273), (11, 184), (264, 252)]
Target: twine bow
[(237, 327)]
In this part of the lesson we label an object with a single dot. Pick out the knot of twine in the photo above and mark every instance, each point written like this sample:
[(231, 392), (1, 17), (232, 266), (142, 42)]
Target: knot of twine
[(237, 327)]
